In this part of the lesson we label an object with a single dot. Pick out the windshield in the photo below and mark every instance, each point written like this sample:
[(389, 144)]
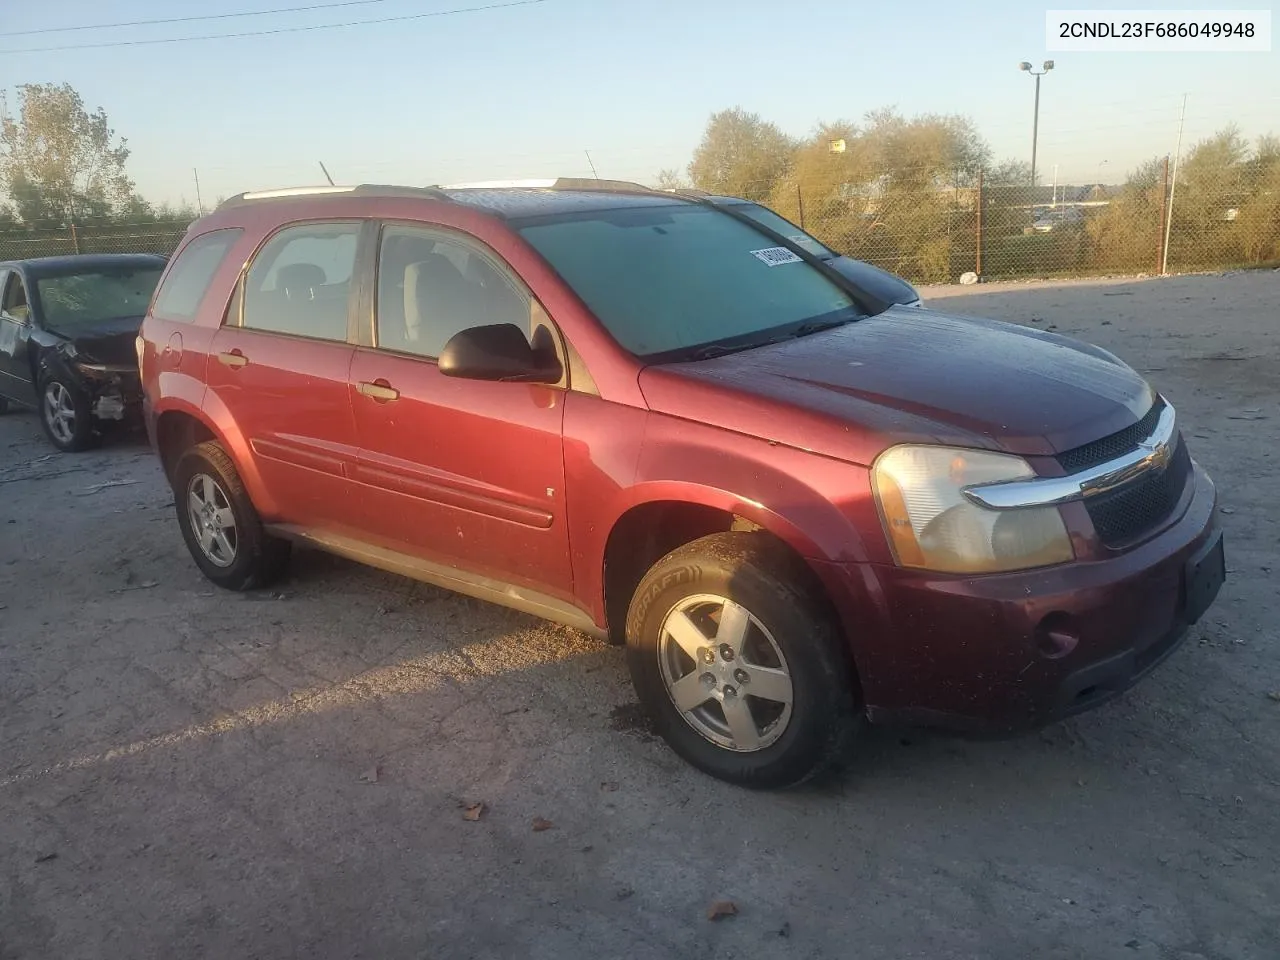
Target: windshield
[(767, 218), (83, 298), (667, 280)]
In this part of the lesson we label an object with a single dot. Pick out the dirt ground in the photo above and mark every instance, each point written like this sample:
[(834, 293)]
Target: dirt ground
[(189, 773)]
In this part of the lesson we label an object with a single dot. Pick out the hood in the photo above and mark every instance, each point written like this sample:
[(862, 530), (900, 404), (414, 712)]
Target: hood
[(106, 341), (908, 375)]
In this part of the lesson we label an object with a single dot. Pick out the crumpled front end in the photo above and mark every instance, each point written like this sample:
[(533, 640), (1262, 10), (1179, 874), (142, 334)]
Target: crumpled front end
[(114, 389)]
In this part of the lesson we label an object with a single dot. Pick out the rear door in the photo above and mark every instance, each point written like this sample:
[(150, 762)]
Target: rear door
[(279, 366), (462, 472), (15, 339)]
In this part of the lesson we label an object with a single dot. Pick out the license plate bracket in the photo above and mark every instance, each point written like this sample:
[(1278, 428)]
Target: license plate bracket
[(1203, 577)]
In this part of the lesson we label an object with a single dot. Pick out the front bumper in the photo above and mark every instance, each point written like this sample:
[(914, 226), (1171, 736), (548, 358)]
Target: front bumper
[(115, 392), (1009, 652)]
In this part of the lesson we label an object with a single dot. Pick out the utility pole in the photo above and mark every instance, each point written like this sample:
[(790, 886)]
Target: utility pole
[(1168, 225), (1164, 217), (1035, 123)]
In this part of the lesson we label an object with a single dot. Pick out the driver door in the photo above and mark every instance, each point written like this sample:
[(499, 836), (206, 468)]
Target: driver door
[(15, 339), (461, 472)]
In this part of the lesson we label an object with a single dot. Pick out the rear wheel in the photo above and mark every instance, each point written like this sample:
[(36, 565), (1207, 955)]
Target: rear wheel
[(65, 414), (220, 524), (738, 662)]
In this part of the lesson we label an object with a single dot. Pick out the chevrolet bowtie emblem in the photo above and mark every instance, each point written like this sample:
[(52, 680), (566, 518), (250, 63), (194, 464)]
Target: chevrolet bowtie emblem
[(1158, 453)]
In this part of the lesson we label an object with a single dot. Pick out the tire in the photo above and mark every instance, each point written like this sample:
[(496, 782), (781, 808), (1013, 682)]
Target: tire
[(66, 415), (220, 524), (781, 638)]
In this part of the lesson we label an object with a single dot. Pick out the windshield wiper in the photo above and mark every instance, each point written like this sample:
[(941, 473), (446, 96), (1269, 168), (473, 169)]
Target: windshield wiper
[(817, 326), (715, 350)]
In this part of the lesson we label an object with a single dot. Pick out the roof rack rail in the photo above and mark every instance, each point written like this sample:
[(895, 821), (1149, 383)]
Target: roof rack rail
[(362, 189), (554, 183)]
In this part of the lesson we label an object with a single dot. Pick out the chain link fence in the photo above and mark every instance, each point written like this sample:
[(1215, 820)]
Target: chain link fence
[(159, 237), (932, 230), (936, 230)]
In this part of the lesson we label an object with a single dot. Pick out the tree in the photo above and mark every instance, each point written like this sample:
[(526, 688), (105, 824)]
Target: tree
[(1258, 222), (1009, 173), (60, 162), (1127, 234), (1212, 181), (826, 170), (932, 149), (671, 179), (741, 155)]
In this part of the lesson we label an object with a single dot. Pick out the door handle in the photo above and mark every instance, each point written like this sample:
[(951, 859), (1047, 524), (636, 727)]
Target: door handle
[(379, 390), (233, 359)]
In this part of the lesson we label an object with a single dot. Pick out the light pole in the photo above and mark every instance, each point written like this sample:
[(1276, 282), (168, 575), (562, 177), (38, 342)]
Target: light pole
[(1035, 124)]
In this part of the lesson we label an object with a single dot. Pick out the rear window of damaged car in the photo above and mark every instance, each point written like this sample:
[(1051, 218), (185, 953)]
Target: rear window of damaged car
[(672, 277)]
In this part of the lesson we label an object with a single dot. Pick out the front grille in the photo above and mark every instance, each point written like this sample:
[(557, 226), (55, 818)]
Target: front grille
[(1126, 514), (1115, 445)]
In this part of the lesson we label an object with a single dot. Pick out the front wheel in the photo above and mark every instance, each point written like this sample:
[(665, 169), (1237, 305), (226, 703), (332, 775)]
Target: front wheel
[(738, 661), (65, 414), (220, 524)]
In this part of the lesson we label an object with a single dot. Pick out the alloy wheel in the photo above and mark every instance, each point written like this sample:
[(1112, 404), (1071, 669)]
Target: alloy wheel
[(725, 673), (60, 412), (213, 522)]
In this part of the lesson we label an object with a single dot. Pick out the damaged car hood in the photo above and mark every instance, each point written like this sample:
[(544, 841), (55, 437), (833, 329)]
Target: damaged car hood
[(104, 341)]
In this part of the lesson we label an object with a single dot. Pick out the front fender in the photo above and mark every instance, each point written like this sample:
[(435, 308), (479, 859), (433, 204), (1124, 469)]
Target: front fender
[(822, 507)]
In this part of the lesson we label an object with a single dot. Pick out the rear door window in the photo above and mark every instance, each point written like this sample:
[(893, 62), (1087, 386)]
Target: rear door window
[(300, 282), (188, 281)]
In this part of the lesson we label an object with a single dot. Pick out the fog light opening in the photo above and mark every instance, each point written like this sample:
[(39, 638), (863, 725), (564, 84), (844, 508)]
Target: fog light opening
[(1056, 636)]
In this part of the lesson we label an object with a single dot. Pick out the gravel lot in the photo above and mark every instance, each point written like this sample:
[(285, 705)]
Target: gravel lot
[(186, 773)]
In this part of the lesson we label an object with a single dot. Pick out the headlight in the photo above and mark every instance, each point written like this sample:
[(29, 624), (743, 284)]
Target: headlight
[(931, 525)]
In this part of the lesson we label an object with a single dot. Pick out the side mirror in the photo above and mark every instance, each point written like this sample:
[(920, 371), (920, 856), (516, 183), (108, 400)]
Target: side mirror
[(500, 351)]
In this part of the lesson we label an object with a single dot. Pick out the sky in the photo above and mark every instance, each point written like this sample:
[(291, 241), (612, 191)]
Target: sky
[(527, 91)]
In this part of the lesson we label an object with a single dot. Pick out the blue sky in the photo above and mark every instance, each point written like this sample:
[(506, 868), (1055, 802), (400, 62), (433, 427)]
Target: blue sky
[(524, 91)]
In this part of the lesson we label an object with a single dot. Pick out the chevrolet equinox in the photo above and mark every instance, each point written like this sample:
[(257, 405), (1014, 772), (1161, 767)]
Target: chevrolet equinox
[(664, 421)]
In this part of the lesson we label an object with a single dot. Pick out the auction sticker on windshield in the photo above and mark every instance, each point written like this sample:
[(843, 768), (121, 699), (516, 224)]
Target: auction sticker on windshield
[(775, 256)]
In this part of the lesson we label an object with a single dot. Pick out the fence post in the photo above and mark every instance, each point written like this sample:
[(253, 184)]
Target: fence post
[(977, 266), (800, 203), (1164, 212), (75, 240)]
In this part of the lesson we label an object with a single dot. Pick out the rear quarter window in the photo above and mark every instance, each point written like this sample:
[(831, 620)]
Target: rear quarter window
[(188, 281)]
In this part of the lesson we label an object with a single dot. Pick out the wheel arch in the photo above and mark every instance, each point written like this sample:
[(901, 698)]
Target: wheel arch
[(180, 424), (665, 516)]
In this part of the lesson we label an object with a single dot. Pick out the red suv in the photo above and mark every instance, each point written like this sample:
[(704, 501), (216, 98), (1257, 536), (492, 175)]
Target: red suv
[(658, 419)]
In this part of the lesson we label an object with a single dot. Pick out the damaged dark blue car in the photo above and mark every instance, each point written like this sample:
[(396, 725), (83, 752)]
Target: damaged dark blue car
[(67, 331)]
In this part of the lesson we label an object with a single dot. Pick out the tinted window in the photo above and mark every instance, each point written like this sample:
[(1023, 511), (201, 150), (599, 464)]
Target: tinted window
[(431, 287), (188, 280), (300, 281), (666, 279), (767, 218)]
